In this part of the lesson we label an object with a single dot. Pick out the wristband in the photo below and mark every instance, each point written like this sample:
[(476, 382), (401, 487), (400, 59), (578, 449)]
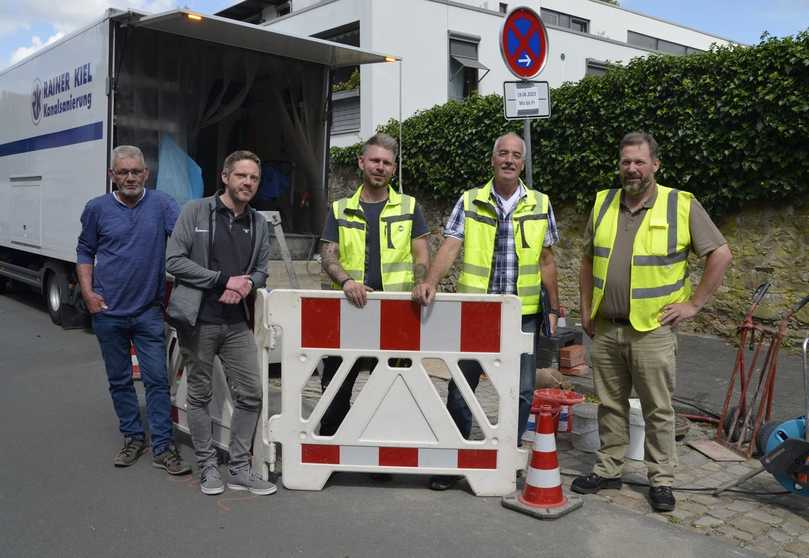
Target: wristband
[(344, 281), (554, 311)]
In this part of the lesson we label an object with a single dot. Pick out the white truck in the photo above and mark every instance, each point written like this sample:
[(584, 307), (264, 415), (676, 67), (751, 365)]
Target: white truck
[(181, 86)]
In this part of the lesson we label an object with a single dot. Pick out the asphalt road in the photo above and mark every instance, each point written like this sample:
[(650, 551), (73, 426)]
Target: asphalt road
[(60, 496)]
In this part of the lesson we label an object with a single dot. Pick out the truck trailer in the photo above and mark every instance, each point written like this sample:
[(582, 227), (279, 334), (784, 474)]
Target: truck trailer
[(187, 89)]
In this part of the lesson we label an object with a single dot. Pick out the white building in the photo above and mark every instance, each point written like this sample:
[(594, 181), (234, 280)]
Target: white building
[(451, 48)]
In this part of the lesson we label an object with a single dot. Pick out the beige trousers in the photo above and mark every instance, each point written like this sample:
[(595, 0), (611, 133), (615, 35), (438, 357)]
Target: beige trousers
[(622, 359)]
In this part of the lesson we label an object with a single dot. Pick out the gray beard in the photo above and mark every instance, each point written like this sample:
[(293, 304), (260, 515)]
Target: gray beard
[(636, 189)]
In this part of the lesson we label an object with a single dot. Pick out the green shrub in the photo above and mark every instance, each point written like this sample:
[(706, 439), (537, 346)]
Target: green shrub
[(732, 124)]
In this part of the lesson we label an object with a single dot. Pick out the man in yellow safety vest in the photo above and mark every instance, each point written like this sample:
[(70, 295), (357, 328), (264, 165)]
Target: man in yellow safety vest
[(374, 240), (507, 231), (634, 290)]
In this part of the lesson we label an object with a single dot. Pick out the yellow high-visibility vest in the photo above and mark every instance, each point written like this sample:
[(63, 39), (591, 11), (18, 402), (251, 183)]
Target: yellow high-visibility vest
[(395, 229), (529, 223), (659, 270)]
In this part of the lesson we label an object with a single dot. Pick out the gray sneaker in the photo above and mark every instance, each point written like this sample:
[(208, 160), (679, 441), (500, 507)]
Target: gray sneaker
[(248, 480), (172, 462), (133, 448), (210, 481)]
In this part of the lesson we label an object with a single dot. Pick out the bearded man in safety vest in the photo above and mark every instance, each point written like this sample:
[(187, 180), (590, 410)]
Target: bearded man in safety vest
[(375, 240), (634, 291), (507, 231)]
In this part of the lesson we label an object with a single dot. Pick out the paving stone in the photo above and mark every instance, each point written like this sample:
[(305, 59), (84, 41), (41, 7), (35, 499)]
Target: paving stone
[(711, 466), (722, 513), (751, 526), (633, 492), (742, 506), (678, 515), (732, 532), (704, 499), (707, 522), (694, 508), (798, 547), (765, 517), (779, 536), (692, 459), (630, 503), (765, 550), (785, 554), (804, 538), (793, 529)]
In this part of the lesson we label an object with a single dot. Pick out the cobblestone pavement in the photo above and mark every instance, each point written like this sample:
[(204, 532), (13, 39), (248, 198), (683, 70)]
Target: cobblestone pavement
[(752, 516)]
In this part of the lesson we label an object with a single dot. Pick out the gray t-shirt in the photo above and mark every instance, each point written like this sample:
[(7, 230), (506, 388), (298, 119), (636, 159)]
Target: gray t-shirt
[(372, 210)]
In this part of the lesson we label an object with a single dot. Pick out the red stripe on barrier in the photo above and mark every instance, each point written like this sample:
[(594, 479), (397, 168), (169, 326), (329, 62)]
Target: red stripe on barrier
[(546, 461), (477, 459), (320, 322), (480, 327), (543, 497), (399, 457), (320, 453), (401, 325)]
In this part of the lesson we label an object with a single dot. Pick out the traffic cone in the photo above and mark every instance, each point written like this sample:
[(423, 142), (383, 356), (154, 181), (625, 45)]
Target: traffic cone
[(542, 495), (135, 363)]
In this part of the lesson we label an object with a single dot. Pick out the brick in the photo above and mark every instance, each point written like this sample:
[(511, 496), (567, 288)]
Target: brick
[(572, 355), (704, 499)]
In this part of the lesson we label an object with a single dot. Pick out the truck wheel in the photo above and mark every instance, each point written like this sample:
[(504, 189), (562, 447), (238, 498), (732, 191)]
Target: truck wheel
[(56, 288)]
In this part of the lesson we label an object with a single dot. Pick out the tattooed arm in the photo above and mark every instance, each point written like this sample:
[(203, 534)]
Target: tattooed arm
[(421, 258), (355, 292)]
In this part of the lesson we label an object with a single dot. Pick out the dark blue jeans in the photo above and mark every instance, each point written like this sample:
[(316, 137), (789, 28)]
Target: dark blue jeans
[(147, 332), (471, 369)]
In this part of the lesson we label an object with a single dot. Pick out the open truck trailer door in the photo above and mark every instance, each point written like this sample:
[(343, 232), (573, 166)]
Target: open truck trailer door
[(187, 89)]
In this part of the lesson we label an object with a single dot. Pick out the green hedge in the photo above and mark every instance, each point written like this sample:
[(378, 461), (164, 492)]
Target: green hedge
[(732, 124)]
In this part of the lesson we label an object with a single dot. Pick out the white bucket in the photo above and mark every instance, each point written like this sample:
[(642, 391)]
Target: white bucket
[(585, 427), (637, 433)]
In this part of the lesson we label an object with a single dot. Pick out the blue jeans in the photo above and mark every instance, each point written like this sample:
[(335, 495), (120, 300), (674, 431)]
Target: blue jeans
[(471, 369), (147, 332)]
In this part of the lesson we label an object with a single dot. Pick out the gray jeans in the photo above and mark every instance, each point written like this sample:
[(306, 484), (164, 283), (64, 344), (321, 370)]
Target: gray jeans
[(236, 348)]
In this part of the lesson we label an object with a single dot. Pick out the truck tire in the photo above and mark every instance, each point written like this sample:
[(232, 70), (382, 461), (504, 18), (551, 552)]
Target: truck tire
[(55, 294)]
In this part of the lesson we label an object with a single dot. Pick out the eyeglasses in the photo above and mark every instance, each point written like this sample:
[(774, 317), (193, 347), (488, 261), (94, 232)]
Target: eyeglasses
[(123, 173)]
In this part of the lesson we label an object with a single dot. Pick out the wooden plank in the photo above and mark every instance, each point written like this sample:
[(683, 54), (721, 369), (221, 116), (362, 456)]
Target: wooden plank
[(715, 450)]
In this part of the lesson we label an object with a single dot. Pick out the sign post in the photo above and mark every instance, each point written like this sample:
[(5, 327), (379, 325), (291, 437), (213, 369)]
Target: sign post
[(524, 46)]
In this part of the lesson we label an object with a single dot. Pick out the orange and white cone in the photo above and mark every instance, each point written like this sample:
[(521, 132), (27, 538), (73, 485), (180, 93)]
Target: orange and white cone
[(542, 495), (135, 363)]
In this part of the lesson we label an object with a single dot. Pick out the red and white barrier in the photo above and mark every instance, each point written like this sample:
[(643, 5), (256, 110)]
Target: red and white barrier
[(399, 423)]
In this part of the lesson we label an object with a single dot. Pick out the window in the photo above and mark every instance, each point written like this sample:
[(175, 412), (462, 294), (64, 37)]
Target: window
[(464, 66), (345, 82), (597, 67), (503, 7), (653, 43), (559, 19)]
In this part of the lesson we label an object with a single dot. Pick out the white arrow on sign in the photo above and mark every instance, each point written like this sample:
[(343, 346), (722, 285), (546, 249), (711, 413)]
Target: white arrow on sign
[(525, 60)]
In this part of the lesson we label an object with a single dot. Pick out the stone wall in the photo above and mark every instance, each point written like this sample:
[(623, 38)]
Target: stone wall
[(768, 244)]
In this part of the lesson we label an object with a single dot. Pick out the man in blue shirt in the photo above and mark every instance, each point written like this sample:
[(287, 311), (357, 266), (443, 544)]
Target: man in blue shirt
[(121, 270)]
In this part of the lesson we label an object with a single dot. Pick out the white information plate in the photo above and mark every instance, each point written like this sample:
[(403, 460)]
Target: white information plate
[(526, 99)]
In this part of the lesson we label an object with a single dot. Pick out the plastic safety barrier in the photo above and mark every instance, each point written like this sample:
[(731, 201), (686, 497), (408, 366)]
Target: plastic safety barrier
[(399, 423)]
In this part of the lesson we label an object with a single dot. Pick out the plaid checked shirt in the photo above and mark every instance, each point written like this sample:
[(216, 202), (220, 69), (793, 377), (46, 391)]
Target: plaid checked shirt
[(506, 266)]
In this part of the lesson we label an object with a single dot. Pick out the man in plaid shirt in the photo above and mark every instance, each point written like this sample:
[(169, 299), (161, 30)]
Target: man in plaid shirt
[(507, 232)]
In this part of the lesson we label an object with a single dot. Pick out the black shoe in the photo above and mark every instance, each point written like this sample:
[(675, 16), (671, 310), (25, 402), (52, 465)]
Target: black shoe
[(133, 448), (443, 482), (662, 498), (172, 462), (592, 483)]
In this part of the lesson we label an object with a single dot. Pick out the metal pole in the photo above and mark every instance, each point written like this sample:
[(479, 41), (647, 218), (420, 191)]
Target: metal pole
[(529, 173), (401, 89)]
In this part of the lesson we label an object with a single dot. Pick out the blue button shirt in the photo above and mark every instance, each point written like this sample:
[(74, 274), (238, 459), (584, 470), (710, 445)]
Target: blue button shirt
[(127, 245)]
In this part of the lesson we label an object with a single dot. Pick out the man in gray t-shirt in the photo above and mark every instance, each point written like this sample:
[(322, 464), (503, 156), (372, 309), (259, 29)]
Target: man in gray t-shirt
[(375, 226), (634, 290)]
